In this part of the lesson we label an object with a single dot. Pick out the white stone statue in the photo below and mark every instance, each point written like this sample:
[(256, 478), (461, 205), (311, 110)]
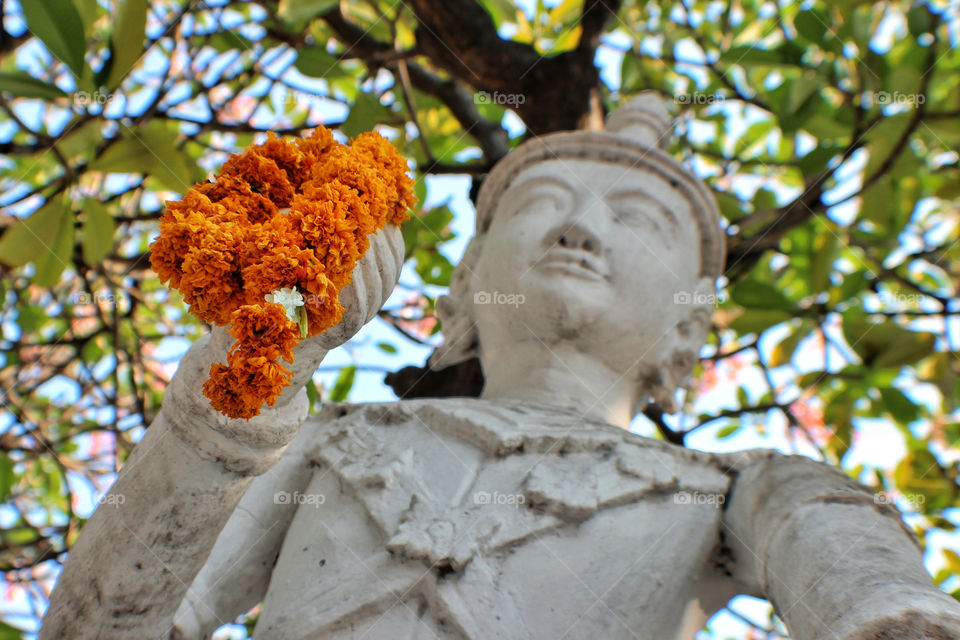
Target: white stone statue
[(530, 512)]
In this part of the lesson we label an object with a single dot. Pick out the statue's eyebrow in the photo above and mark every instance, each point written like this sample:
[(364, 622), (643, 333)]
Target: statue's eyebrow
[(551, 181), (660, 207)]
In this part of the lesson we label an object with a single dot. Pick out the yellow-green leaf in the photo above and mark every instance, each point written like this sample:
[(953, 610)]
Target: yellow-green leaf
[(26, 86), (341, 388), (151, 151), (366, 113), (822, 256), (297, 10), (126, 41), (98, 229), (45, 238), (57, 23), (317, 63)]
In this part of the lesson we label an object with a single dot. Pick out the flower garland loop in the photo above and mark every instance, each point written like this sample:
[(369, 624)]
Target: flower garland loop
[(267, 247)]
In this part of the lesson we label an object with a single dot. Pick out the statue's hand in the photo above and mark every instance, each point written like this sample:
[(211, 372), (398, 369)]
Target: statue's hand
[(374, 278)]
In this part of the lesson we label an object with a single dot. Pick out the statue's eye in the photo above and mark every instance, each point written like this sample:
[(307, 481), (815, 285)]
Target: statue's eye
[(642, 212), (539, 198), (639, 212)]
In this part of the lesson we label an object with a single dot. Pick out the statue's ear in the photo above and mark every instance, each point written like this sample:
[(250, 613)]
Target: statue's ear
[(695, 310), (695, 313), (705, 298)]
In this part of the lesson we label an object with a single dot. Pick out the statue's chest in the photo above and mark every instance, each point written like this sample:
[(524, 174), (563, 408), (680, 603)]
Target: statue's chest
[(447, 486), (461, 520)]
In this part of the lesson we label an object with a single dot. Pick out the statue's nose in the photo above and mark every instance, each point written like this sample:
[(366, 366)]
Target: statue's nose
[(575, 237), (574, 234), (585, 226)]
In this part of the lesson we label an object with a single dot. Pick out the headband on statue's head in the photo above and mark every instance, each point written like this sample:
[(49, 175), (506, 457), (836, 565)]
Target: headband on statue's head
[(634, 136)]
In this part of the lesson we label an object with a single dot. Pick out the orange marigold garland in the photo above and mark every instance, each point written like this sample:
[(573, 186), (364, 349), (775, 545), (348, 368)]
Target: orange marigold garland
[(267, 247)]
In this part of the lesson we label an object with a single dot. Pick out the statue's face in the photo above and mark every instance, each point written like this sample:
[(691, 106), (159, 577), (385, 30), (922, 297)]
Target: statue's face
[(598, 254)]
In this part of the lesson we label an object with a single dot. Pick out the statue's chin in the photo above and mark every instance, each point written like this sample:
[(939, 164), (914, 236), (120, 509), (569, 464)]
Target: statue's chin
[(557, 316), (577, 300)]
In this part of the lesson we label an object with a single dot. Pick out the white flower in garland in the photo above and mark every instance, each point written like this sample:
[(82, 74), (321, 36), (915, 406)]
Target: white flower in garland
[(289, 299)]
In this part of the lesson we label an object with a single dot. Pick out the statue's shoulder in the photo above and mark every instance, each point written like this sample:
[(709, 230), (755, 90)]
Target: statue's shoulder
[(763, 462)]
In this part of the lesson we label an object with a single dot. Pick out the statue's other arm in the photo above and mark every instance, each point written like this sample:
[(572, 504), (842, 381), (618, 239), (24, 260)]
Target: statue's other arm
[(835, 562), (136, 557)]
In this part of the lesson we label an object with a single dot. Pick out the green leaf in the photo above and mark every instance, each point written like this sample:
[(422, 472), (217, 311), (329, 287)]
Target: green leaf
[(817, 160), (433, 267), (801, 90), (907, 349), (899, 405), (303, 321), (366, 113), (90, 11), (727, 431), (6, 478), (299, 10), (882, 140), (312, 394), (224, 41), (824, 127), (853, 284), (919, 21), (127, 155), (886, 344), (758, 320), (631, 72), (822, 256), (341, 388), (811, 25), (98, 229), (31, 317), (81, 141), (24, 85), (126, 41), (783, 353), (755, 133), (151, 150), (750, 55), (386, 347), (8, 632), (57, 23), (760, 295), (317, 63), (500, 11), (45, 238), (877, 201), (920, 475)]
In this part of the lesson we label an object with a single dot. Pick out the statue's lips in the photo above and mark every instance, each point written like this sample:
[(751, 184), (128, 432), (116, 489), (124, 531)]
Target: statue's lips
[(576, 262)]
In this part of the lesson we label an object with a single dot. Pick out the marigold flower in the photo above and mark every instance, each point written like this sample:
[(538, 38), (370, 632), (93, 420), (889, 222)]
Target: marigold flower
[(262, 327), (262, 174), (240, 389), (282, 215)]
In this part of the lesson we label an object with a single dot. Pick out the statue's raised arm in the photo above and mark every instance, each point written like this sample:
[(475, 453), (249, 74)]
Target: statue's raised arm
[(138, 554)]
